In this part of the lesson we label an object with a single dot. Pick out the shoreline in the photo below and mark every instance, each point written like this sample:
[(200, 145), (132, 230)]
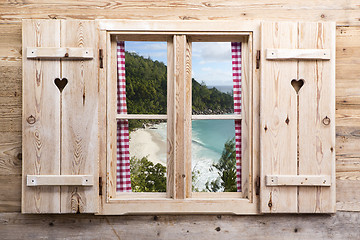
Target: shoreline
[(147, 142)]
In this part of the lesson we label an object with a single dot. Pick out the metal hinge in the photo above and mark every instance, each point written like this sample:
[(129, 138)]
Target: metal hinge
[(101, 57), (257, 186), (100, 186), (258, 59)]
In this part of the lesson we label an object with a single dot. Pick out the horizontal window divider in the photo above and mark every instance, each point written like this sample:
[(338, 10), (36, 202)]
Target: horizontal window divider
[(217, 117), (141, 116), (140, 195)]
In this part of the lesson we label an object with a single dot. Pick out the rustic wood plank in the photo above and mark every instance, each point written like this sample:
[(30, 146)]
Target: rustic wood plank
[(298, 180), (80, 146), (103, 147), (170, 134), (196, 4), (60, 180), (41, 101), (278, 114), (303, 54), (10, 45), (343, 225), (111, 86), (317, 102), (247, 159), (188, 114), (180, 116), (348, 191), (344, 13), (347, 149), (62, 52), (10, 197), (10, 153)]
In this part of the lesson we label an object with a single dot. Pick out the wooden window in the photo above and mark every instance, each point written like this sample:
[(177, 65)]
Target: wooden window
[(179, 196), (69, 119)]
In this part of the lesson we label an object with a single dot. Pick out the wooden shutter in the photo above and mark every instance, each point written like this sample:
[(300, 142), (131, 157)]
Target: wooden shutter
[(60, 127), (297, 127)]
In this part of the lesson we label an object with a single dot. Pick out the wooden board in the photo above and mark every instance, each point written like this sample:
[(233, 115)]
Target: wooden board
[(317, 101), (277, 104), (63, 52), (60, 135), (60, 180), (343, 225), (41, 102), (313, 123), (342, 11), (305, 54), (80, 145), (298, 180), (181, 135)]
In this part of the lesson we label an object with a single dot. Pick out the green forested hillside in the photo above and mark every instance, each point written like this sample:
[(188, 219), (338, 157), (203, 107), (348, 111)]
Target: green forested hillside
[(146, 90), (145, 85)]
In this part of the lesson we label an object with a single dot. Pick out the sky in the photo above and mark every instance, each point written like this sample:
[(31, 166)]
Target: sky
[(211, 61)]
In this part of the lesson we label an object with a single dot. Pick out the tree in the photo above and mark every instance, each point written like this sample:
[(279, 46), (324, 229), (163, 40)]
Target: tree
[(227, 170), (147, 176)]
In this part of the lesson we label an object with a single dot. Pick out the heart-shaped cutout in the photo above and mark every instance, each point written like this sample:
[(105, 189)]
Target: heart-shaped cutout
[(297, 84), (60, 83)]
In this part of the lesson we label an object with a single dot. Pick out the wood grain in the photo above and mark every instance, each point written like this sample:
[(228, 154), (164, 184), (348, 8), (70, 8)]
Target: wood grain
[(347, 85), (111, 124), (180, 116), (41, 99), (63, 53), (298, 180), (10, 153), (60, 180), (10, 197), (278, 114), (188, 118), (80, 146), (343, 225), (316, 102), (170, 144), (292, 54), (343, 12)]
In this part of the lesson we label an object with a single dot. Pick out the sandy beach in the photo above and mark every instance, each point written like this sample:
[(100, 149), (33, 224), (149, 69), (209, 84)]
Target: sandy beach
[(148, 142)]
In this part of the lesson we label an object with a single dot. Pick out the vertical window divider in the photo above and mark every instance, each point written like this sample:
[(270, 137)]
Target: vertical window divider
[(188, 118), (170, 185)]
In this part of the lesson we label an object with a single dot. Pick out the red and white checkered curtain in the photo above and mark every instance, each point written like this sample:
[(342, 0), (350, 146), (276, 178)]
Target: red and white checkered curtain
[(236, 69), (123, 182)]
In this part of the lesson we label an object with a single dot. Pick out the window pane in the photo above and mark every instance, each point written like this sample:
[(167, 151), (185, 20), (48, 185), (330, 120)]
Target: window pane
[(147, 147), (213, 155), (212, 83), (142, 85), (146, 77)]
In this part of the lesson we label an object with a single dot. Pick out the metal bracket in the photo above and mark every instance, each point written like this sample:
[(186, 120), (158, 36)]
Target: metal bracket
[(101, 57), (258, 59)]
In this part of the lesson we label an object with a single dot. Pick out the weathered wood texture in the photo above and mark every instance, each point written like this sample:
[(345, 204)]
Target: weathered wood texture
[(62, 137), (342, 226), (296, 117), (342, 11)]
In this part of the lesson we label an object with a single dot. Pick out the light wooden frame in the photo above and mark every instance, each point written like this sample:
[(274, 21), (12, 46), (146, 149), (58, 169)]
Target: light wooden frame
[(179, 198)]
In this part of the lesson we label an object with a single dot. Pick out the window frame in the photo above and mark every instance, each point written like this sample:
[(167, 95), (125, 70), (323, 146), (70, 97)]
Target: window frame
[(179, 200)]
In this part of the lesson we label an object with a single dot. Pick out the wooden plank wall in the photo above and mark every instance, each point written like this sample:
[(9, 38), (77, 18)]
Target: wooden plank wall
[(345, 12)]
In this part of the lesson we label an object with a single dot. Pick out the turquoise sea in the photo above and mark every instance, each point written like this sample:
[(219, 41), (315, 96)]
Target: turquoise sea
[(208, 139)]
